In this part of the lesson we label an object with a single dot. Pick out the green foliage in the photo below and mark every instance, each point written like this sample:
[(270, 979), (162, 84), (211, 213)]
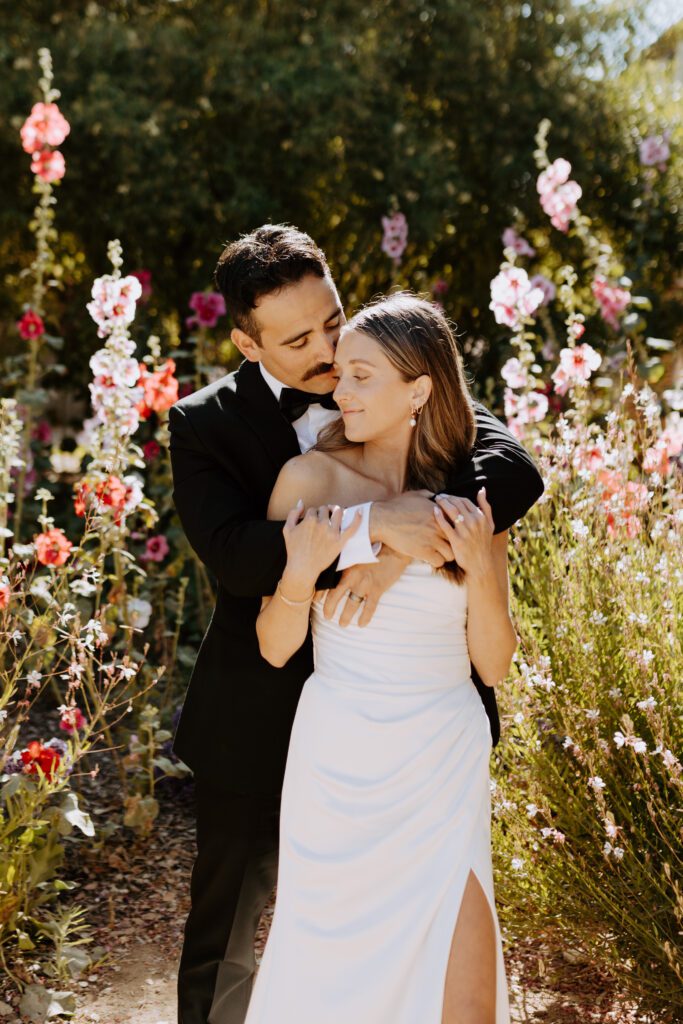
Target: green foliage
[(195, 121)]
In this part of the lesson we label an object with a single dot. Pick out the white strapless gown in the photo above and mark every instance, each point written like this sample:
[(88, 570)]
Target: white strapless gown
[(386, 807)]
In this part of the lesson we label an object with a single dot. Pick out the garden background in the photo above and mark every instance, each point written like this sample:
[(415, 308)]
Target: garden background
[(520, 163)]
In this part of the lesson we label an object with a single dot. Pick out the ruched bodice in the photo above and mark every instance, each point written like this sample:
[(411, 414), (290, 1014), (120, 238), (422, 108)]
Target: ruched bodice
[(415, 640)]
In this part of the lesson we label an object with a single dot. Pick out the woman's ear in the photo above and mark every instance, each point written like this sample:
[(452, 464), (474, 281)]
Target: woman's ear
[(422, 389)]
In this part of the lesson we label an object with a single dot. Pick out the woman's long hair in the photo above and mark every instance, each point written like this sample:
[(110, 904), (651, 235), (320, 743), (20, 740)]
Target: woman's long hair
[(417, 339)]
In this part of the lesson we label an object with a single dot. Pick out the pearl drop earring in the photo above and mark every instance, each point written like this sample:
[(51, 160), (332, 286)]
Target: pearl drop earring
[(413, 417)]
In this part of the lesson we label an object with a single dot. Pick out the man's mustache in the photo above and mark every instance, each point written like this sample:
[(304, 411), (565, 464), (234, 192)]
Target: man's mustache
[(317, 371)]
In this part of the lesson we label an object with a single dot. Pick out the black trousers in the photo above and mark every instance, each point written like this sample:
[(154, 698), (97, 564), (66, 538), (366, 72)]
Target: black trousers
[(233, 877)]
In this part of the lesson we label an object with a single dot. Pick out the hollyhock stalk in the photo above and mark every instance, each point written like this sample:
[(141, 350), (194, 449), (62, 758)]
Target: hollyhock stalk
[(43, 261)]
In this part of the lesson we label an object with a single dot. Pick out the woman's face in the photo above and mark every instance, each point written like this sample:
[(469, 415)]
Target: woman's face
[(374, 399)]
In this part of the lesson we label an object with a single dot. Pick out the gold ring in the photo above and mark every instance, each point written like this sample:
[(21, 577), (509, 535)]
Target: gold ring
[(356, 598)]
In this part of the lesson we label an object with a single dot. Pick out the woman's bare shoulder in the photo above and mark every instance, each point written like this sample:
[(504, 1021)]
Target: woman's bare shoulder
[(308, 476)]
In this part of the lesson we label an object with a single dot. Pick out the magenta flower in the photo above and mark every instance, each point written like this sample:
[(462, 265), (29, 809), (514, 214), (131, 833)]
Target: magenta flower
[(514, 373), (72, 719), (547, 287), (654, 151), (511, 240), (395, 236), (208, 307), (156, 550), (145, 279)]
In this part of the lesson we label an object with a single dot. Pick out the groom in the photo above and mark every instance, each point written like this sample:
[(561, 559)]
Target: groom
[(228, 442)]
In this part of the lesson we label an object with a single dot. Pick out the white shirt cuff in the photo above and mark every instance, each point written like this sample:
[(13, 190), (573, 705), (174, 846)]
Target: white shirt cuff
[(358, 550)]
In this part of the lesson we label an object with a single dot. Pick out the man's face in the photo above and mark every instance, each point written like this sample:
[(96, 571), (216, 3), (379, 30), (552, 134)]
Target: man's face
[(300, 327)]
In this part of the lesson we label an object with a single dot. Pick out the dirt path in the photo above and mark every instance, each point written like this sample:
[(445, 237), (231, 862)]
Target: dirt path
[(137, 897)]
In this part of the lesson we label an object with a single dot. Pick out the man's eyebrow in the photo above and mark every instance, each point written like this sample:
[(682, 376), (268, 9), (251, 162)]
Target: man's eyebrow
[(290, 341)]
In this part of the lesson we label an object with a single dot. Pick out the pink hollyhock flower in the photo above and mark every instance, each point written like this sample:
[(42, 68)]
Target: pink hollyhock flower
[(512, 296), (547, 287), (208, 307), (654, 151), (37, 757), (591, 458), (156, 549), (656, 459), (672, 437), (49, 165), (30, 325), (52, 547), (72, 720), (612, 300), (580, 361), (395, 236), (160, 389), (151, 450), (114, 301), (559, 196), (511, 240), (553, 176), (514, 373), (145, 279), (45, 125), (5, 594)]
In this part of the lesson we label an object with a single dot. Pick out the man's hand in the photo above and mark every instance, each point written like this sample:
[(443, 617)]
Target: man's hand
[(407, 525), (366, 581)]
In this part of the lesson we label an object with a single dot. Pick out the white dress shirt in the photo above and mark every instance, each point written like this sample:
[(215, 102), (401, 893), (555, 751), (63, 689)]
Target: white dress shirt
[(357, 549)]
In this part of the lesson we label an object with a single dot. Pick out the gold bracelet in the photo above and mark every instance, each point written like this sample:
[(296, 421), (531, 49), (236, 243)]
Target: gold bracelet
[(287, 600)]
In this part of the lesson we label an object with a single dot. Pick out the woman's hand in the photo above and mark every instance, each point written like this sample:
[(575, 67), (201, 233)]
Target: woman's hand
[(313, 540), (468, 530)]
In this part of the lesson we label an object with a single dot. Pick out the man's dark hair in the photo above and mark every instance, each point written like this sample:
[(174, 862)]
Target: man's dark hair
[(264, 261)]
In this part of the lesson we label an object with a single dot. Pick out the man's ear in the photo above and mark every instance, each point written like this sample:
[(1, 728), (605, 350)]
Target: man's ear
[(249, 348)]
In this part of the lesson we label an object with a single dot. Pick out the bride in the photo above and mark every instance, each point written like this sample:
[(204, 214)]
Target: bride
[(385, 908)]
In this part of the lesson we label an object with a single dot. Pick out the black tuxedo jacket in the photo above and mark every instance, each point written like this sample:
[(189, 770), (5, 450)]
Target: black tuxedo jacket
[(228, 442)]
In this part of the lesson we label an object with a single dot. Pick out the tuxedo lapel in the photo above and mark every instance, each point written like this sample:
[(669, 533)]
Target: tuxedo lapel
[(274, 430)]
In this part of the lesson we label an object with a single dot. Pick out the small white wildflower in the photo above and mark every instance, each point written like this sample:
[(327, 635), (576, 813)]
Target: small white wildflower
[(669, 759), (519, 718), (618, 852), (531, 810), (614, 692), (42, 494), (82, 587), (639, 746), (597, 618), (596, 783), (611, 829), (607, 848), (587, 646), (579, 528), (647, 656), (592, 713), (33, 678), (619, 739), (517, 863), (3, 714), (567, 742), (23, 551), (68, 613), (648, 703), (5, 532)]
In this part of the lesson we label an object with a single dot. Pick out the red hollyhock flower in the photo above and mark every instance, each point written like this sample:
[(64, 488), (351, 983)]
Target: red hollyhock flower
[(30, 325), (151, 450), (36, 756), (52, 547), (160, 389)]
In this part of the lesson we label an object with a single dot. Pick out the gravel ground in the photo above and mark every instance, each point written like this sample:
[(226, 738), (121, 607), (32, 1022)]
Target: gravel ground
[(137, 896)]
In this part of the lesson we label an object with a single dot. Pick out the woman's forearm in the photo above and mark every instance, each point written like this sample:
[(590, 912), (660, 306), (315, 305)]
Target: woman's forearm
[(491, 636), (282, 624)]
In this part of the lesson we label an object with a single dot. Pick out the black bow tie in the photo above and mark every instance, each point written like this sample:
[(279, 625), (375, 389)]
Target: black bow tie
[(294, 403)]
